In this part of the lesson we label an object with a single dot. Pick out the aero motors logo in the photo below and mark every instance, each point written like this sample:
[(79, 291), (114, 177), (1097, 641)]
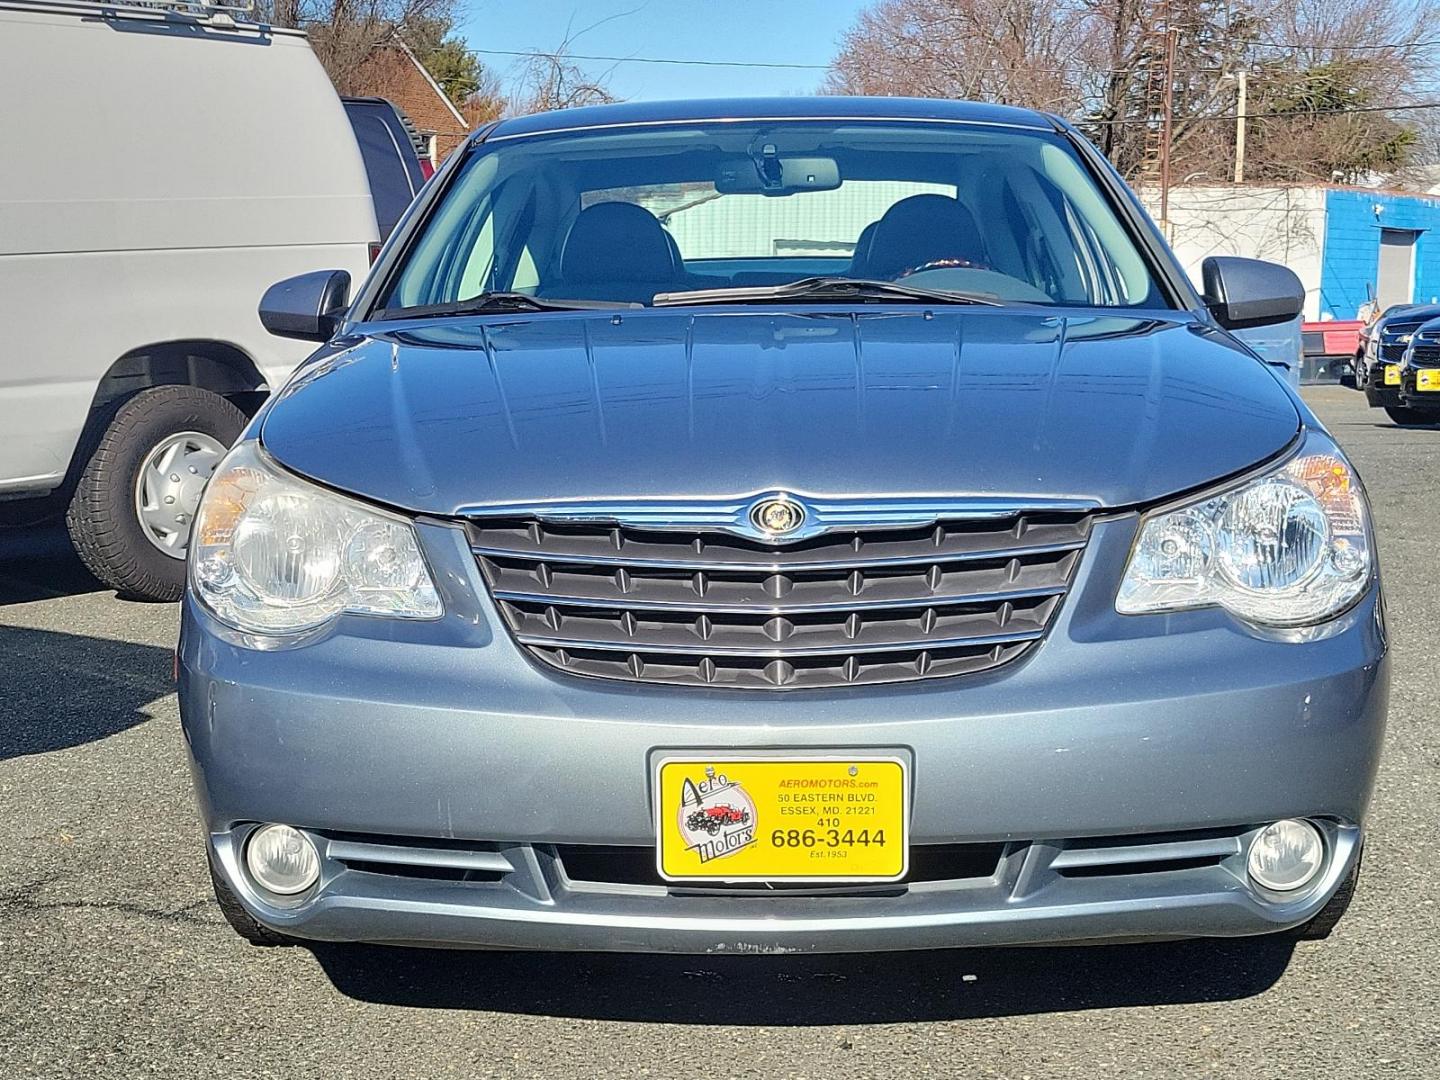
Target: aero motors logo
[(717, 817)]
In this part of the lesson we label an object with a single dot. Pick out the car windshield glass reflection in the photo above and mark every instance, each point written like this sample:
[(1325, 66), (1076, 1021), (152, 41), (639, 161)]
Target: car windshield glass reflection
[(756, 212)]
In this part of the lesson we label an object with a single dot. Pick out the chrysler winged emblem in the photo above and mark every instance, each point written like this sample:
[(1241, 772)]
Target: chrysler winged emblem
[(777, 515)]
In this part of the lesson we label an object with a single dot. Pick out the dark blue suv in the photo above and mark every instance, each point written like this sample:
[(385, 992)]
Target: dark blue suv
[(1383, 359)]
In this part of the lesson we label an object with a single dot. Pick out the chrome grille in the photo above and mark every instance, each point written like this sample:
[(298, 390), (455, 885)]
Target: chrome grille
[(1425, 352), (1392, 348), (849, 607)]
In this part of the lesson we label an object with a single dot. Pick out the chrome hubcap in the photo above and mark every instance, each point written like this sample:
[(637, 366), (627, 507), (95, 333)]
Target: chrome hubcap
[(168, 488)]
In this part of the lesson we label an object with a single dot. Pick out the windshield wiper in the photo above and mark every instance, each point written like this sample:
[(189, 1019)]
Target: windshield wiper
[(491, 303), (824, 288)]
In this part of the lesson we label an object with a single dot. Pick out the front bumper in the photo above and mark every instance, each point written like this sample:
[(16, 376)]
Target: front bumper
[(1379, 394), (1411, 397), (1163, 729), (1033, 895)]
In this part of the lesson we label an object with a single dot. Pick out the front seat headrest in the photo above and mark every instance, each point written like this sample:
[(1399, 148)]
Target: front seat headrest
[(617, 241), (922, 229)]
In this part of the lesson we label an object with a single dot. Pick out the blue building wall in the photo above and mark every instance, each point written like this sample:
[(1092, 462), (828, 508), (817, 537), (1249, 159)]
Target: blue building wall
[(1351, 255)]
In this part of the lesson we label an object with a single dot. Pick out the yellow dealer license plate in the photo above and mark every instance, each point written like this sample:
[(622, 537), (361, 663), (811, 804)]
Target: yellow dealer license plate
[(1392, 374), (1427, 379), (782, 819)]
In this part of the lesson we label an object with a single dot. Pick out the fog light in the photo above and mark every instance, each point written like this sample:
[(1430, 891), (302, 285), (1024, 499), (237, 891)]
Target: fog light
[(1286, 855), (282, 860)]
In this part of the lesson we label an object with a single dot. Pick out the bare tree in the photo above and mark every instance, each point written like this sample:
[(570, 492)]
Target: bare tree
[(1103, 63), (486, 103), (343, 33), (1122, 85), (1319, 58), (554, 80), (1010, 51)]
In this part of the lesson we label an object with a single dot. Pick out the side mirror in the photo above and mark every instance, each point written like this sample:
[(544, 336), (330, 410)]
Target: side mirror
[(1242, 293), (308, 307)]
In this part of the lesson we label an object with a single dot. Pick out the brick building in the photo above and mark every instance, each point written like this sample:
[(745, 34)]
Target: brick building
[(392, 71)]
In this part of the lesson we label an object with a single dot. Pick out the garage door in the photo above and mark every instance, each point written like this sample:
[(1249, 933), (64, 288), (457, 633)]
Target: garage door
[(1395, 281)]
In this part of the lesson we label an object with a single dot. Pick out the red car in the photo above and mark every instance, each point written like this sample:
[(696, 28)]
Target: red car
[(714, 818), (1332, 349)]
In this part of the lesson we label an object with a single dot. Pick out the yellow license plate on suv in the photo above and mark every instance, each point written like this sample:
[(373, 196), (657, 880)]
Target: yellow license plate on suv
[(1392, 374), (1427, 379), (782, 819)]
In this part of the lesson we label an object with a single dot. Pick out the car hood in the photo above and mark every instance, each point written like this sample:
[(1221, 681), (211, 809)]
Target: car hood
[(449, 417)]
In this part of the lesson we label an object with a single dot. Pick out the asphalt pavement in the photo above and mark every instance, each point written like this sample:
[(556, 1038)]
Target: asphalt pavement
[(114, 960)]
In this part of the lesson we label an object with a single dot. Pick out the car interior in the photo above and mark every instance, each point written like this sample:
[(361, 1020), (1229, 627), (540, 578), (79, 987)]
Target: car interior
[(1013, 217)]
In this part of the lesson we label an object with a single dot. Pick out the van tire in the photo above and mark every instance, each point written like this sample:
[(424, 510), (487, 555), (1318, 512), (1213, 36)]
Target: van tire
[(102, 519)]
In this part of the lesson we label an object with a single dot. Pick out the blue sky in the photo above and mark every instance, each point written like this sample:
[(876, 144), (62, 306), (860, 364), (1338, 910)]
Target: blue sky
[(779, 31)]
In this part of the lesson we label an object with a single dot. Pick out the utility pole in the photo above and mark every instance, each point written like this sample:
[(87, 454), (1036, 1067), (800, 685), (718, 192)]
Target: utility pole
[(1240, 88), (1167, 123)]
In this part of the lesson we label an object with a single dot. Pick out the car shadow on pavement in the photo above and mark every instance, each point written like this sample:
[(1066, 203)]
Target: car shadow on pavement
[(877, 988), (38, 563), (63, 690)]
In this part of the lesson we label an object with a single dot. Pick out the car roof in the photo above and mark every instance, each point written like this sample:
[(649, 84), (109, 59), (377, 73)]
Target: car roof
[(786, 108)]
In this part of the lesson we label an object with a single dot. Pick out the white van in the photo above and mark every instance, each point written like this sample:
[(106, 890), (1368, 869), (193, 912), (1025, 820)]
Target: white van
[(160, 167)]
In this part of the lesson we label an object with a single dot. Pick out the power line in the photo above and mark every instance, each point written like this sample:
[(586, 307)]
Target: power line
[(1294, 114), (531, 54), (537, 53), (1227, 117), (1326, 47)]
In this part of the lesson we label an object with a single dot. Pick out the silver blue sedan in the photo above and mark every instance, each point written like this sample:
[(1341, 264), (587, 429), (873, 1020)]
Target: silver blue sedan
[(771, 526)]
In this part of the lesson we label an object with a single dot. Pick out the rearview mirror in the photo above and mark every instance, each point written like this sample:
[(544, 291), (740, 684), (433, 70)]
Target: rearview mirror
[(769, 174), (1242, 293), (308, 307)]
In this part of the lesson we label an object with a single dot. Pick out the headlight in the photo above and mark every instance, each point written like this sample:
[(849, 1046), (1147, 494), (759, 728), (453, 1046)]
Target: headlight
[(1289, 548), (272, 554)]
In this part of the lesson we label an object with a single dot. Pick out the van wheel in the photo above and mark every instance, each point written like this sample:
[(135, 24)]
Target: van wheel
[(131, 513), (1407, 416), (239, 919)]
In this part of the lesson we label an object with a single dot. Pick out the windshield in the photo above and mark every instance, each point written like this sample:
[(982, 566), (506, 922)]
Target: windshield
[(624, 215)]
